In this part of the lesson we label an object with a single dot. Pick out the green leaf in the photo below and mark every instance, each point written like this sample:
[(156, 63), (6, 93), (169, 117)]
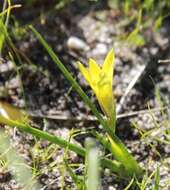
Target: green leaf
[(73, 82), (2, 34)]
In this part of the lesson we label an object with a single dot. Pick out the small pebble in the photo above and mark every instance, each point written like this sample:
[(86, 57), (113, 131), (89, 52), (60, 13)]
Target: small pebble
[(107, 172), (75, 43), (101, 49), (111, 188), (14, 83), (5, 67)]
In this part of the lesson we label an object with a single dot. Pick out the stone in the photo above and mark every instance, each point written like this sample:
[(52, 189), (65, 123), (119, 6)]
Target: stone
[(75, 43)]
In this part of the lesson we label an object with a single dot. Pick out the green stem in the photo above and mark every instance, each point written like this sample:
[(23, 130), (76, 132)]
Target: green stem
[(73, 82), (120, 153), (113, 165), (117, 147)]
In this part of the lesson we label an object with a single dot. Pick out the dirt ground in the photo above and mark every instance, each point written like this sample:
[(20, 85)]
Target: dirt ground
[(77, 32)]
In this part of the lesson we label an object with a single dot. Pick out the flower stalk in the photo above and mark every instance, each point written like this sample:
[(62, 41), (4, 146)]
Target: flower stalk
[(119, 151), (112, 165), (100, 80)]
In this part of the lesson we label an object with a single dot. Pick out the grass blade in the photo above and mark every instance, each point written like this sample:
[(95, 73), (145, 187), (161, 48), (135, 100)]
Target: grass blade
[(113, 165), (92, 165), (16, 164), (73, 82)]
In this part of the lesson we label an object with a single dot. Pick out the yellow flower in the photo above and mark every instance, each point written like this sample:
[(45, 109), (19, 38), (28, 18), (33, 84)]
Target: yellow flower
[(100, 80)]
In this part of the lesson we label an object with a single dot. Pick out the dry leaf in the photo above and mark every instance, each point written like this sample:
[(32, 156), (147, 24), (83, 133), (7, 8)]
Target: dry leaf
[(10, 112)]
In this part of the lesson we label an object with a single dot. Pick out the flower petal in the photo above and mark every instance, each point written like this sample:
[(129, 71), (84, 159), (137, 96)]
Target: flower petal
[(94, 71), (106, 101), (84, 72), (108, 65)]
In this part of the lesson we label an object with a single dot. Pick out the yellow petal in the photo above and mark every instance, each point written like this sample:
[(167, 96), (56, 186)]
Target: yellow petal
[(108, 65), (84, 72), (107, 104), (105, 96), (94, 70), (87, 76)]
